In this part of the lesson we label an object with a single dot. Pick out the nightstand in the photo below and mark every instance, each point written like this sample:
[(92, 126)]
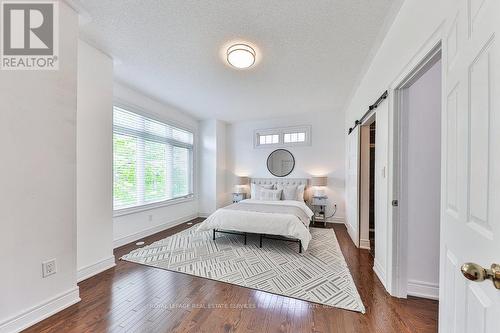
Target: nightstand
[(237, 197), (319, 208)]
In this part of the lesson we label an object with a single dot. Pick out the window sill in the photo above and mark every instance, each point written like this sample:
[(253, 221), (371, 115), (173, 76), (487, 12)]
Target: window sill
[(138, 209)]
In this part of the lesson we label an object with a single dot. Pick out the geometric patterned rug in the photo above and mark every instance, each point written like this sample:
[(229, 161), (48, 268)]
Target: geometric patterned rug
[(318, 275)]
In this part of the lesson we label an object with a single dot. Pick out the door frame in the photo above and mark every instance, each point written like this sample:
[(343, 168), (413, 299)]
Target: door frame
[(397, 252), (370, 118), (352, 213)]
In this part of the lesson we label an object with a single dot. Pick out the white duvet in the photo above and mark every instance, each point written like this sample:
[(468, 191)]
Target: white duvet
[(287, 225)]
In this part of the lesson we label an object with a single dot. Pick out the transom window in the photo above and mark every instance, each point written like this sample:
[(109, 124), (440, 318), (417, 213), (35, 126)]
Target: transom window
[(294, 137), (286, 136), (269, 139), (152, 161)]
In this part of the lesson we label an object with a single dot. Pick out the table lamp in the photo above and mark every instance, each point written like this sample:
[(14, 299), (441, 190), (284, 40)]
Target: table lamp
[(240, 183), (319, 183)]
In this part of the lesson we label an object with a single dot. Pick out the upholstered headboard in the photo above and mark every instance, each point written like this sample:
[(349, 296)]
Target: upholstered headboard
[(283, 181), (280, 181)]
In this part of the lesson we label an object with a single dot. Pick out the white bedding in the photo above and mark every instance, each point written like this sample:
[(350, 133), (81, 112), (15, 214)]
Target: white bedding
[(287, 225)]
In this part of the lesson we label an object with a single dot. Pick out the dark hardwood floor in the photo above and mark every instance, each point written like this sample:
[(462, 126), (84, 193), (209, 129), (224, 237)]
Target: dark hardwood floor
[(136, 298)]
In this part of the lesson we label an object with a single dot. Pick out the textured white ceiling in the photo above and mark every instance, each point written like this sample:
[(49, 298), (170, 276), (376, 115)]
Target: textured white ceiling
[(309, 52)]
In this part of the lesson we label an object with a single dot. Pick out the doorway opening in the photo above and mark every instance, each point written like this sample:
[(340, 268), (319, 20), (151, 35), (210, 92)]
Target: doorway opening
[(367, 185), (418, 174)]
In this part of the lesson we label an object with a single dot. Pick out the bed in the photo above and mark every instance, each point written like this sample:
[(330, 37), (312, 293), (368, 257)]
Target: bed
[(286, 220)]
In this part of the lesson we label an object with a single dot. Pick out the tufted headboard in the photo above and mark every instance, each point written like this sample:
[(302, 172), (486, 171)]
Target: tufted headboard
[(283, 181), (280, 181)]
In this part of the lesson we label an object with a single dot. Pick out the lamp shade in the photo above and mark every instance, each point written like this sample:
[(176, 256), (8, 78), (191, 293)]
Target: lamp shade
[(319, 181), (241, 180)]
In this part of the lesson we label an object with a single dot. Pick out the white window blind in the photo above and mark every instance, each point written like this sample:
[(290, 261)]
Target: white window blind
[(153, 161)]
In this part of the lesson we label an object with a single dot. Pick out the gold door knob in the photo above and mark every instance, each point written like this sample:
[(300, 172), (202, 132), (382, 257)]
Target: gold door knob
[(477, 273)]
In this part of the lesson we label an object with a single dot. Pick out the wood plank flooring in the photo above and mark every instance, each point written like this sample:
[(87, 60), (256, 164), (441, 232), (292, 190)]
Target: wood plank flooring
[(136, 298)]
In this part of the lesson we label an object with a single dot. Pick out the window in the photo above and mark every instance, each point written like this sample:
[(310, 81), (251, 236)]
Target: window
[(152, 161), (279, 137), (268, 139), (294, 137)]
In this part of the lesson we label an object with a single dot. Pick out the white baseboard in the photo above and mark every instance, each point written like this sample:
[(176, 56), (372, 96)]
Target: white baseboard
[(364, 244), (41, 311), (335, 219), (91, 270), (203, 215), (423, 289), (148, 232), (377, 268), (351, 233)]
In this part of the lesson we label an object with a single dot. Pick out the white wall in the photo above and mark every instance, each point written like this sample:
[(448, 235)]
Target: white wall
[(130, 227), (38, 185), (221, 189), (212, 159), (94, 161), (424, 183), (325, 156), (208, 164), (404, 40)]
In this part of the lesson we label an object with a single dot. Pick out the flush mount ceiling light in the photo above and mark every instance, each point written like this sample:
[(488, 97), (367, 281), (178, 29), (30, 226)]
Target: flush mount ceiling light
[(241, 56)]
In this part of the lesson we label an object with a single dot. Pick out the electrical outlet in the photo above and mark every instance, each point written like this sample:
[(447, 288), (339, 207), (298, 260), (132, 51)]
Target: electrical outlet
[(49, 267)]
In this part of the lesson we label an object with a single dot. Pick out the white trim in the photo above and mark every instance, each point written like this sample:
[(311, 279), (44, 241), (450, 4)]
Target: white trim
[(397, 231), (41, 311), (351, 233), (352, 184), (336, 219), (280, 131), (423, 289), (148, 232), (377, 268), (204, 215), (364, 244), (142, 208), (94, 269)]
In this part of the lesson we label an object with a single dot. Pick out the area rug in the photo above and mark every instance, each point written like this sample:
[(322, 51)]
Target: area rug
[(318, 275)]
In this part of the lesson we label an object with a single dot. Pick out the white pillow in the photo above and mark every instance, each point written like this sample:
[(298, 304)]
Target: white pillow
[(289, 192), (269, 195), (254, 189), (300, 192), (292, 192)]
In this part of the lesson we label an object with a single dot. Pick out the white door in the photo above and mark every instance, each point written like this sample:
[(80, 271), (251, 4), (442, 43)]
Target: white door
[(381, 191), (470, 208), (352, 185)]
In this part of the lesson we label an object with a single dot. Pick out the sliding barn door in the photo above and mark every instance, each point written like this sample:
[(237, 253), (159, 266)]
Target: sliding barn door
[(352, 185), (470, 208), (381, 191)]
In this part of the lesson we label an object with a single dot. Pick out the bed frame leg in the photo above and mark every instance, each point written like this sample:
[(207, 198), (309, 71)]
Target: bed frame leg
[(214, 235), (245, 238), (260, 245), (300, 246)]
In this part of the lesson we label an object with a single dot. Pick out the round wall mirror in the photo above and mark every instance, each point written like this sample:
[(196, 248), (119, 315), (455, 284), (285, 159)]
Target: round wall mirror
[(280, 163)]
